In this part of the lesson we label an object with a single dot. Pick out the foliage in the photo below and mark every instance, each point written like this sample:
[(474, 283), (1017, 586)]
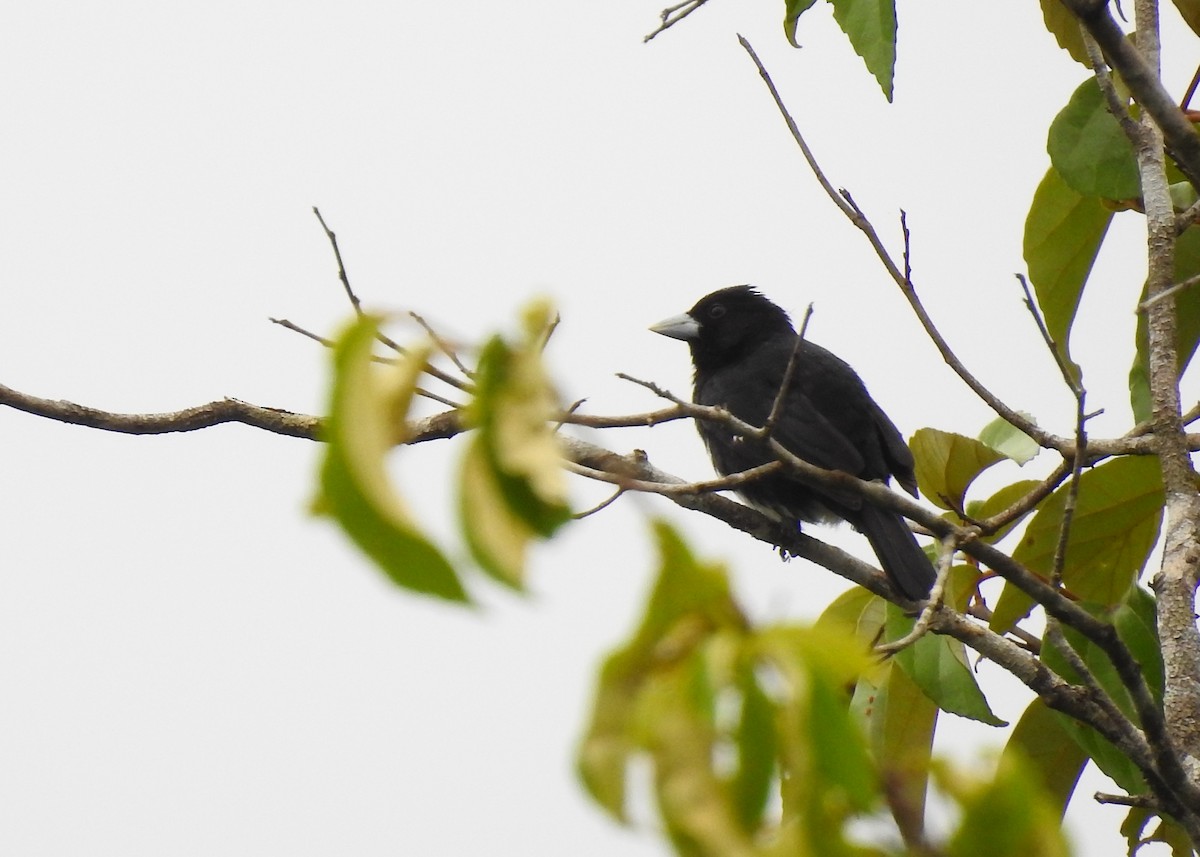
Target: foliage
[(781, 739)]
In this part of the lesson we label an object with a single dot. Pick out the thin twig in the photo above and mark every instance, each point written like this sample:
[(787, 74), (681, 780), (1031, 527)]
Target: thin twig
[(1170, 291), (672, 489), (788, 373), (579, 516), (441, 343), (672, 15), (341, 266), (1140, 801), (946, 551), (845, 203)]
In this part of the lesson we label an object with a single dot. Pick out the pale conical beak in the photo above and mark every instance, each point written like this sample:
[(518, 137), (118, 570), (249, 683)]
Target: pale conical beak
[(678, 327)]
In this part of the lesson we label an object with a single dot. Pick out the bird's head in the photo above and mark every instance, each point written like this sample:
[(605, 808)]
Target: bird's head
[(725, 326)]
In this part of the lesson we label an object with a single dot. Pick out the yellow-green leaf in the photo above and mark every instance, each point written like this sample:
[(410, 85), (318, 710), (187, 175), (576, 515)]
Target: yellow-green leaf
[(367, 411), (1189, 10), (1010, 441), (1115, 525), (496, 537), (1063, 232), (1064, 26), (1003, 499), (947, 463), (1187, 316), (513, 407)]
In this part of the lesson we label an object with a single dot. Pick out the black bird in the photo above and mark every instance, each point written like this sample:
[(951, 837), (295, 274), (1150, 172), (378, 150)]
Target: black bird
[(741, 344)]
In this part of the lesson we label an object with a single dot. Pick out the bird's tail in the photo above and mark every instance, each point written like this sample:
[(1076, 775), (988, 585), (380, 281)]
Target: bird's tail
[(901, 557)]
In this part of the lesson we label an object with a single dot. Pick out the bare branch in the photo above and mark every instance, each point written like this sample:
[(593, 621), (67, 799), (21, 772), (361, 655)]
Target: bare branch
[(845, 203)]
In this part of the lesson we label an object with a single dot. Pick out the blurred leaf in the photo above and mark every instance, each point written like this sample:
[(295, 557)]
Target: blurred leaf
[(513, 406), (685, 588), (845, 610), (817, 663), (871, 27), (633, 709), (757, 748), (1051, 753), (793, 10), (367, 409), (1187, 319), (1090, 151), (1063, 232), (1116, 523), (512, 488), (496, 536), (947, 463), (1064, 26), (938, 665), (1007, 816), (839, 749), (1009, 441), (692, 798), (981, 510)]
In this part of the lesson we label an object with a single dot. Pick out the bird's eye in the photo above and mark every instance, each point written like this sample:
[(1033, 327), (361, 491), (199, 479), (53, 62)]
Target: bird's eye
[(716, 311)]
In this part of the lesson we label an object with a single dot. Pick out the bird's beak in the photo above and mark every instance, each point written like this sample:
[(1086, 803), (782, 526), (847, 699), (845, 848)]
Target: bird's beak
[(678, 327)]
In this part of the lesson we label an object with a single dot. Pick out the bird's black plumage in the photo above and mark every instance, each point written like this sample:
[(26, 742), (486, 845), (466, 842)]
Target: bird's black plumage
[(741, 344)]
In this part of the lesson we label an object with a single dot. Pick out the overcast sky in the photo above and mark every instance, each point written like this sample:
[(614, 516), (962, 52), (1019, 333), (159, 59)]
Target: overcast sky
[(190, 664)]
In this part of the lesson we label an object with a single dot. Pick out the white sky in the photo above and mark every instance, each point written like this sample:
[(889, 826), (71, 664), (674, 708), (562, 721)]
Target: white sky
[(190, 664)]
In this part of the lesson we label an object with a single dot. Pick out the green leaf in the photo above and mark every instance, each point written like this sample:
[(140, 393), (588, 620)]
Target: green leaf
[(1064, 26), (938, 665), (793, 10), (1187, 321), (900, 721), (947, 463), (367, 408), (1116, 522), (981, 510), (1010, 441), (1136, 626), (1050, 752), (1108, 758), (1136, 622), (871, 27), (1063, 231), (1089, 149)]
